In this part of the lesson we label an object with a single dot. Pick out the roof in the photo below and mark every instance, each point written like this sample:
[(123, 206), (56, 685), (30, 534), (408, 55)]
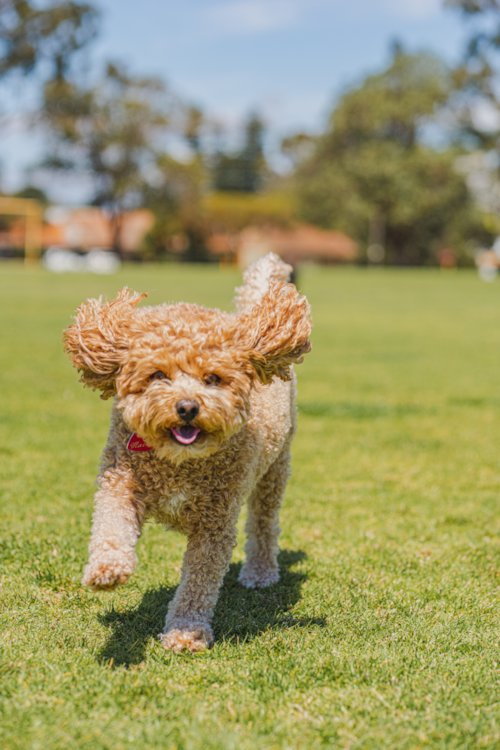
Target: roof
[(304, 242), (88, 227), (300, 243)]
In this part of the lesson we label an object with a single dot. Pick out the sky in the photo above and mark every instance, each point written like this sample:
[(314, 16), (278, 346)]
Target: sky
[(286, 59), (289, 58)]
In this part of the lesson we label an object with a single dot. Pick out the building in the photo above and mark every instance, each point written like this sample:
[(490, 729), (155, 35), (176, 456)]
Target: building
[(79, 229), (87, 227), (299, 244)]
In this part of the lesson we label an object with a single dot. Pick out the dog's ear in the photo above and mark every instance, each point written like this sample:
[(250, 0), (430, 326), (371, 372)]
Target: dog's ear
[(100, 337), (276, 332)]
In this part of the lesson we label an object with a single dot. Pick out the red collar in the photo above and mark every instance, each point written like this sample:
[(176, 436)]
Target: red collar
[(137, 444)]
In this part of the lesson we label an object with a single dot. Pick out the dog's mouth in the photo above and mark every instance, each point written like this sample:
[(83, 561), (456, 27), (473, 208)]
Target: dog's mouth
[(186, 434)]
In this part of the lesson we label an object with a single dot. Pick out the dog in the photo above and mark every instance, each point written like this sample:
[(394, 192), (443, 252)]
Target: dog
[(203, 418)]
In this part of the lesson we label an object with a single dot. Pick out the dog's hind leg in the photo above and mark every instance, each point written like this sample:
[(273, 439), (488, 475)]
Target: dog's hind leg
[(262, 526)]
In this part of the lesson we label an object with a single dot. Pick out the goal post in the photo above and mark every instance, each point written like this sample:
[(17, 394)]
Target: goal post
[(32, 211)]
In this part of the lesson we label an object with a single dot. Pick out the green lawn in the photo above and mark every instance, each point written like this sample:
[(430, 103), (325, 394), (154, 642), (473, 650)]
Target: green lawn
[(384, 630)]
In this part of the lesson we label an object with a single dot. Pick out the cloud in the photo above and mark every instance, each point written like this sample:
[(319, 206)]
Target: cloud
[(255, 16), (259, 16), (414, 9)]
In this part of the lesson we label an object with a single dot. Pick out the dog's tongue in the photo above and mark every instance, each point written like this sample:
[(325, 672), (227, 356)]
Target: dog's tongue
[(186, 434)]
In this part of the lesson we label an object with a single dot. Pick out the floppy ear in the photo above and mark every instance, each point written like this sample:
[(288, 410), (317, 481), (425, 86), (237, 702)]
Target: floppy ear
[(98, 339), (277, 331)]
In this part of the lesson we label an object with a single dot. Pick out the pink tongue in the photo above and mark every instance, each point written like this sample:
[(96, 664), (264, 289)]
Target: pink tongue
[(186, 435)]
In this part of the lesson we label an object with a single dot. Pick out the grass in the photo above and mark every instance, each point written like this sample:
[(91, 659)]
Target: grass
[(384, 630)]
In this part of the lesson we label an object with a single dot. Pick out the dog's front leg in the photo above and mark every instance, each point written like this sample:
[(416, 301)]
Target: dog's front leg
[(116, 528), (188, 623)]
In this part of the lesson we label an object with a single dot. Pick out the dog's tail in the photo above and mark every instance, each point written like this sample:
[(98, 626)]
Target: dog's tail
[(258, 278)]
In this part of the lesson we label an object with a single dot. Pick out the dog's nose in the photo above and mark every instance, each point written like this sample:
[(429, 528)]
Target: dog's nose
[(187, 410)]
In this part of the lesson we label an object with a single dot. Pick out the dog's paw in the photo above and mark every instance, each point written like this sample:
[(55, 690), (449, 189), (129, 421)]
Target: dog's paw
[(258, 576), (193, 639), (106, 573)]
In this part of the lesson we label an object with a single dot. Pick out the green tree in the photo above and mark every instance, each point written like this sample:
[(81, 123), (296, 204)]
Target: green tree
[(35, 193), (297, 147), (31, 37), (193, 122), (373, 175), (473, 7), (112, 132), (478, 76), (244, 170), (175, 198), (487, 36)]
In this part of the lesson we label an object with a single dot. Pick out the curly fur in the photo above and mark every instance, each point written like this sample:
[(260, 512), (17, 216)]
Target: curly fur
[(246, 421)]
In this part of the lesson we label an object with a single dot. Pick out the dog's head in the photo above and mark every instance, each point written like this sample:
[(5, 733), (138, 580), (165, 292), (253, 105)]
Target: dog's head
[(183, 374)]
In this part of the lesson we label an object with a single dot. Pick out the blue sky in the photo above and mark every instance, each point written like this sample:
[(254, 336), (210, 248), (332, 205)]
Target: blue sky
[(288, 59)]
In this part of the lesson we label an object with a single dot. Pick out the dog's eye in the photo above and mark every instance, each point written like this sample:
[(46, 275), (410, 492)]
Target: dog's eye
[(158, 375), (212, 379)]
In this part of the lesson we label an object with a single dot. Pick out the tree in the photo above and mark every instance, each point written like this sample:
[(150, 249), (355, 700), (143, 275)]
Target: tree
[(193, 122), (472, 7), (477, 77), (242, 171), (31, 37), (373, 175), (478, 106), (481, 59), (34, 193), (112, 132), (488, 10), (297, 147), (175, 199)]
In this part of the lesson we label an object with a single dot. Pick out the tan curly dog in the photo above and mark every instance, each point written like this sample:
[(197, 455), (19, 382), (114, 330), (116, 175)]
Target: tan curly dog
[(203, 418)]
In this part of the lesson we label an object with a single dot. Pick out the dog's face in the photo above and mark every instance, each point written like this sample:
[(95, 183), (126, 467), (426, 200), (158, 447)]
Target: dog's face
[(184, 387), (183, 374)]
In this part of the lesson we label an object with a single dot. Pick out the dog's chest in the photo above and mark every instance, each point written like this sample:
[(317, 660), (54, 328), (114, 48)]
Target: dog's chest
[(167, 492), (170, 507)]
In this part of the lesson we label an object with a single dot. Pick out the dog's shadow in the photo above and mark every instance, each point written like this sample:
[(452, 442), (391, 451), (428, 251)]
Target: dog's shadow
[(240, 614)]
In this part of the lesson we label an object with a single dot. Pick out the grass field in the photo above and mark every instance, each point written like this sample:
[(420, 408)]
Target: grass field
[(384, 631)]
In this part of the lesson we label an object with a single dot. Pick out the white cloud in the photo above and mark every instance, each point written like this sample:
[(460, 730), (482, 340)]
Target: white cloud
[(254, 16), (258, 16), (414, 9)]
